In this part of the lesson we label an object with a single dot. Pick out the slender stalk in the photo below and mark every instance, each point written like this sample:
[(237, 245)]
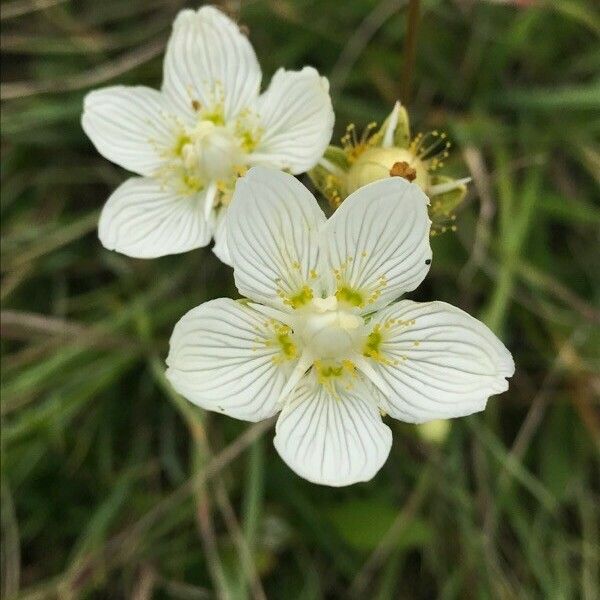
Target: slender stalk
[(410, 50)]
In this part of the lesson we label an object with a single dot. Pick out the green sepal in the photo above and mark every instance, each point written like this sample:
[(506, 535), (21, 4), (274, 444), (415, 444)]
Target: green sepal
[(402, 131), (337, 156), (321, 177), (443, 206)]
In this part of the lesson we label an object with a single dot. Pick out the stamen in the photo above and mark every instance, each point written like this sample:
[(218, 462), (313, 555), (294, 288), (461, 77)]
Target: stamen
[(438, 145), (353, 146)]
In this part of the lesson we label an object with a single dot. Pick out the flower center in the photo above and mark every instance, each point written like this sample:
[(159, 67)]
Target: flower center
[(212, 151), (327, 332), (379, 163)]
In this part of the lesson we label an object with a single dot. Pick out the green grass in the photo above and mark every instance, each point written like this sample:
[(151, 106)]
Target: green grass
[(115, 487)]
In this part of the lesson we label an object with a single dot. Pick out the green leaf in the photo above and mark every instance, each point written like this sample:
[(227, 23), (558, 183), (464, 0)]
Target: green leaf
[(557, 451), (363, 524)]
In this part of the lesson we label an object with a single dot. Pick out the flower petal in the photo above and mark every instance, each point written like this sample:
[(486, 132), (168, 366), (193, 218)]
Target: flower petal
[(210, 62), (389, 126), (432, 360), (131, 126), (395, 130), (222, 358), (448, 186), (220, 234), (332, 440), (379, 242), (143, 220), (296, 117), (273, 227)]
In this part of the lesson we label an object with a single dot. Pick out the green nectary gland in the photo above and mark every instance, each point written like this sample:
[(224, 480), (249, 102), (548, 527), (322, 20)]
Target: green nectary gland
[(350, 296), (304, 296), (373, 343), (287, 345)]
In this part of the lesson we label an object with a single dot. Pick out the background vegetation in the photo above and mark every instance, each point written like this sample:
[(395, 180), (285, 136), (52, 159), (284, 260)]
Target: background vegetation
[(114, 487)]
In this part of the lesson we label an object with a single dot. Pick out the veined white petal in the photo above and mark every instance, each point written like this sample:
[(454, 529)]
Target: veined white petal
[(210, 62), (209, 201), (332, 440), (442, 188), (273, 227), (222, 358), (296, 117), (272, 313), (131, 126), (379, 242), (220, 234), (303, 364), (433, 361), (143, 220)]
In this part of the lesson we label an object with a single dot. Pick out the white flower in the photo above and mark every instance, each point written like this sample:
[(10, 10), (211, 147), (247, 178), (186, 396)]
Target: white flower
[(320, 338), (390, 151), (191, 140)]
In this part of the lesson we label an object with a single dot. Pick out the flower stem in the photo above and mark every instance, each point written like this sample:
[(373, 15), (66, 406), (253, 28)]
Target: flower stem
[(410, 50)]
